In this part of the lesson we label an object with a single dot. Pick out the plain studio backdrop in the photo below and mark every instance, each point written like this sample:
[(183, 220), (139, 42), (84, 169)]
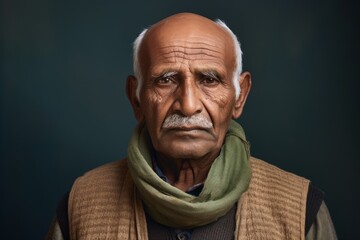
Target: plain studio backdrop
[(64, 109)]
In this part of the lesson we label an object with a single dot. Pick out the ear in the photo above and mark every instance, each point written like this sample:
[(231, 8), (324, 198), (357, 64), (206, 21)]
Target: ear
[(245, 86), (131, 85)]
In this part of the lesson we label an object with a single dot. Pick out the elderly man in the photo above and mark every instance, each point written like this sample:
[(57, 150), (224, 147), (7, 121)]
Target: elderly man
[(189, 173)]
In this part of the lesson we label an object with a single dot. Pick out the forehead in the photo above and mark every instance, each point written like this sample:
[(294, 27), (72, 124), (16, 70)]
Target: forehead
[(197, 44), (189, 52)]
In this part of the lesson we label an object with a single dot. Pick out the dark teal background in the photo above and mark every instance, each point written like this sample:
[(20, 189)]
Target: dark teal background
[(64, 109)]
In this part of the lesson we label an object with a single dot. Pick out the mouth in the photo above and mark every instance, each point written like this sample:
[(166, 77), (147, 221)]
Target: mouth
[(187, 128), (189, 131)]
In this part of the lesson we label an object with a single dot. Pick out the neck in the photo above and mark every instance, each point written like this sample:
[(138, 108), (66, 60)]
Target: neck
[(185, 173)]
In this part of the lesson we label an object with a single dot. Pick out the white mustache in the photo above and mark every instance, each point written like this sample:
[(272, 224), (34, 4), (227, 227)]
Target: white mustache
[(178, 121)]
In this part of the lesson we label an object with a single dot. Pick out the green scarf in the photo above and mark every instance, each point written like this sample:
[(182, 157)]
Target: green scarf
[(228, 178)]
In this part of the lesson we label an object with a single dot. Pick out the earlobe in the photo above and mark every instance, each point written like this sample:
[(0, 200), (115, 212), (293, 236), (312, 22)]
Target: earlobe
[(245, 86), (131, 85)]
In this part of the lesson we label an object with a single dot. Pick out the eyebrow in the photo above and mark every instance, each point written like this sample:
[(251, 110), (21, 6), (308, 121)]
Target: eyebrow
[(216, 73), (210, 73), (165, 74), (204, 71)]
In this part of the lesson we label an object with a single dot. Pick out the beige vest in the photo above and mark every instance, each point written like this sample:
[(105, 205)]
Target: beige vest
[(104, 204)]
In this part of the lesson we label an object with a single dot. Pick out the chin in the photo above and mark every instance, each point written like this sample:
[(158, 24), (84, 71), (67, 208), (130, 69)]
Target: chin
[(185, 151)]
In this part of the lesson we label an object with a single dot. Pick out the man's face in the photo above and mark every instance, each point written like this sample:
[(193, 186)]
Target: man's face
[(187, 72)]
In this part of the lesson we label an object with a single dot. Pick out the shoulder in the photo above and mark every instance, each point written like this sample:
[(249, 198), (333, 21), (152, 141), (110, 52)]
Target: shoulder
[(276, 184), (101, 182), (273, 184), (105, 174), (264, 169), (281, 181), (103, 179), (100, 196), (116, 167)]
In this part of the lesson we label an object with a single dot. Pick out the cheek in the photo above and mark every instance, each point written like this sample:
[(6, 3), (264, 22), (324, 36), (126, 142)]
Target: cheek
[(156, 96), (153, 97), (155, 105), (219, 105), (221, 98)]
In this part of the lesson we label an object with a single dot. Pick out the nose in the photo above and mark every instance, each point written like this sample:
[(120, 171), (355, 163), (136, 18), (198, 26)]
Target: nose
[(188, 98)]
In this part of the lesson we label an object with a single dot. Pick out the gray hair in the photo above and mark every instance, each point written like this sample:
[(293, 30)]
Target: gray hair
[(238, 55)]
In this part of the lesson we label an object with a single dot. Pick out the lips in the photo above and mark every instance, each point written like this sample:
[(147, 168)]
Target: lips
[(188, 128)]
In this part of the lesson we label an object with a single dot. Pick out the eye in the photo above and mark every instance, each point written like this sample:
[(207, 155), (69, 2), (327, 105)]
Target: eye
[(165, 80), (209, 80)]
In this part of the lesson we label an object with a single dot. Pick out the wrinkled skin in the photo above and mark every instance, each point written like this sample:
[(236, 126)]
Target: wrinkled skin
[(187, 64)]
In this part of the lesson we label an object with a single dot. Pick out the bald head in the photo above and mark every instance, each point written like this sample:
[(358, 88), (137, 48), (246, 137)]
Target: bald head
[(187, 27)]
